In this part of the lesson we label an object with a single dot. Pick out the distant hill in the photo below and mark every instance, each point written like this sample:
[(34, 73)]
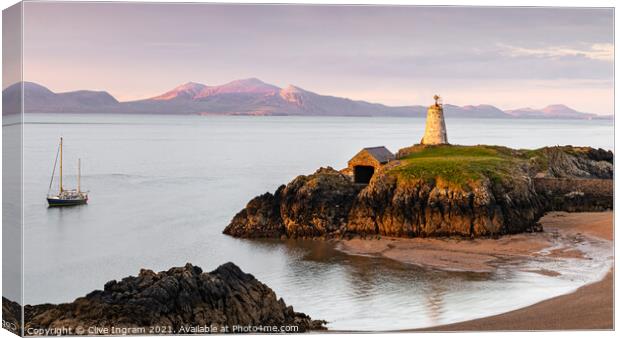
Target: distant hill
[(254, 97), (551, 111), (246, 97), (42, 100)]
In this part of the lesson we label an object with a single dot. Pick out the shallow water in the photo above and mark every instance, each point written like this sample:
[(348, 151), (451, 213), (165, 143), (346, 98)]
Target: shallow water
[(162, 188)]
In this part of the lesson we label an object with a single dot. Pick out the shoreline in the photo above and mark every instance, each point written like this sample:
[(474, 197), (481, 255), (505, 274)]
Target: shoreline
[(591, 307), (562, 231), (588, 307)]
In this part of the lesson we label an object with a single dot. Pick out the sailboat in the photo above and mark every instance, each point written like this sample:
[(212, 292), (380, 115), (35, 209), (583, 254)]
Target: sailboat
[(66, 197)]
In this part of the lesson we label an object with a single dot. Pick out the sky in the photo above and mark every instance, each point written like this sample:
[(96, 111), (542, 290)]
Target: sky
[(396, 55)]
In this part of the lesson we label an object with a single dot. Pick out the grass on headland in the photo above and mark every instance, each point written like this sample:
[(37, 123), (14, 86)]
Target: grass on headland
[(460, 165)]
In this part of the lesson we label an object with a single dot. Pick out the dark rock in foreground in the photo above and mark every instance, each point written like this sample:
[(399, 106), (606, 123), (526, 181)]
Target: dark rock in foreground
[(436, 191), (180, 300), (11, 316)]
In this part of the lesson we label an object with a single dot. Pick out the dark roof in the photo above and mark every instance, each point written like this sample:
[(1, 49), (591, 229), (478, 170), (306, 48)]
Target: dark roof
[(381, 154)]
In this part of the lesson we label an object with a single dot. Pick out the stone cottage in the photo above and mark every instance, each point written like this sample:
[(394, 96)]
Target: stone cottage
[(364, 164)]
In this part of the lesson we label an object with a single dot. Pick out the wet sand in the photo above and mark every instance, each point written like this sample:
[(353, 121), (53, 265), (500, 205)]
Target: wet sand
[(589, 307)]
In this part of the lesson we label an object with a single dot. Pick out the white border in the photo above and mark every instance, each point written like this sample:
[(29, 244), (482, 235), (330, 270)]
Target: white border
[(488, 3)]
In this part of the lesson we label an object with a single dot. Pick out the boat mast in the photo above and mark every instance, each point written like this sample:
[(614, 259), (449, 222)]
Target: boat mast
[(61, 164), (53, 170), (79, 174)]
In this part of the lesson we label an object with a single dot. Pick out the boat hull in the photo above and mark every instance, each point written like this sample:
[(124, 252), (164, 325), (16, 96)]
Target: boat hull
[(57, 202)]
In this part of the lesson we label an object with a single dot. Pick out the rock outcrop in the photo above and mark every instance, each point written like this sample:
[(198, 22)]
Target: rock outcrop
[(308, 206), (504, 193), (578, 162), (180, 300), (11, 316)]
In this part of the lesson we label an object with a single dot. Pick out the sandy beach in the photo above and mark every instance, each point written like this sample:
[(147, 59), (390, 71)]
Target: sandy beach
[(589, 307)]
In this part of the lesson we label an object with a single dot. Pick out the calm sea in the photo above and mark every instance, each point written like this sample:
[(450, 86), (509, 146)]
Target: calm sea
[(162, 189)]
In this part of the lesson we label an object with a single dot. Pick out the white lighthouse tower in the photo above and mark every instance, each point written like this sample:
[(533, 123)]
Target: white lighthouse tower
[(435, 132)]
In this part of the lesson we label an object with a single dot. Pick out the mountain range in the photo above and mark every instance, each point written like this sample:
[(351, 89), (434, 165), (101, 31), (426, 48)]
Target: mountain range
[(249, 97)]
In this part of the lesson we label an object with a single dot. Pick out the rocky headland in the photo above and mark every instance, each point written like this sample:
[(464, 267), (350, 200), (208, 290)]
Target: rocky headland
[(433, 191), (180, 300)]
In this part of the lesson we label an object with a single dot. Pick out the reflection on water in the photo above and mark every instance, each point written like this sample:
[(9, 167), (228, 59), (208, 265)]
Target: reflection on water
[(372, 293), (434, 302), (163, 188)]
